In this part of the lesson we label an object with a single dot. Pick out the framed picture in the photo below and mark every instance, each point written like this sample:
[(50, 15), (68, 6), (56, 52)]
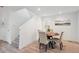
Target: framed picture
[(61, 23)]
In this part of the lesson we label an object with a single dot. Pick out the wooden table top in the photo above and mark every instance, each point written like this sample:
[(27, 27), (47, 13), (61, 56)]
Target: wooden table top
[(52, 34)]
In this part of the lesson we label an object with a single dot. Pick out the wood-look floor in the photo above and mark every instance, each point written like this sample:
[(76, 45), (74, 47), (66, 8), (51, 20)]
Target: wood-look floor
[(69, 47), (7, 48)]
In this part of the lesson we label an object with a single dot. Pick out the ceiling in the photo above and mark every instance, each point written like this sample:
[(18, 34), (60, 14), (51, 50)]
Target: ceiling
[(53, 10), (46, 10)]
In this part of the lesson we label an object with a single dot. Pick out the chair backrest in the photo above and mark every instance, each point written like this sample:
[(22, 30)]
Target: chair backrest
[(42, 37), (61, 35)]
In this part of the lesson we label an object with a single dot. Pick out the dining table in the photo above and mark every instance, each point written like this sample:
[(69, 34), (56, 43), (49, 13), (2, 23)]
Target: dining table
[(51, 36)]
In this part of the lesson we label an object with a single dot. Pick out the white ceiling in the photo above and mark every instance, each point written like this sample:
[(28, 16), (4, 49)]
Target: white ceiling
[(46, 10), (53, 10)]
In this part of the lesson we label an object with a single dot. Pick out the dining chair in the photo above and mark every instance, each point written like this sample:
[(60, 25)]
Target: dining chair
[(43, 42), (58, 40)]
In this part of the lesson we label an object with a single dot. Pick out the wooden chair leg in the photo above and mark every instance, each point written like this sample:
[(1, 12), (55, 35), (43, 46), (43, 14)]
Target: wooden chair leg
[(61, 46), (45, 48), (39, 45)]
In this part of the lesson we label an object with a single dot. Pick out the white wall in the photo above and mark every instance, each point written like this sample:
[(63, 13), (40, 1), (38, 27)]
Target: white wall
[(16, 20), (78, 25), (4, 18), (12, 21), (70, 32), (28, 31)]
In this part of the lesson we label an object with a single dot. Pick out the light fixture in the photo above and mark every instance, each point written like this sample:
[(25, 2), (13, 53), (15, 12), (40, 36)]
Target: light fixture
[(38, 9), (60, 12)]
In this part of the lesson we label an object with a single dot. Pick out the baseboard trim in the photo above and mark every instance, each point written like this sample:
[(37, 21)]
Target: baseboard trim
[(73, 41)]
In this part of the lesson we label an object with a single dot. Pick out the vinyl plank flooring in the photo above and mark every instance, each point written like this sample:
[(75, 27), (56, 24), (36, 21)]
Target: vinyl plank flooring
[(69, 47), (7, 48)]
